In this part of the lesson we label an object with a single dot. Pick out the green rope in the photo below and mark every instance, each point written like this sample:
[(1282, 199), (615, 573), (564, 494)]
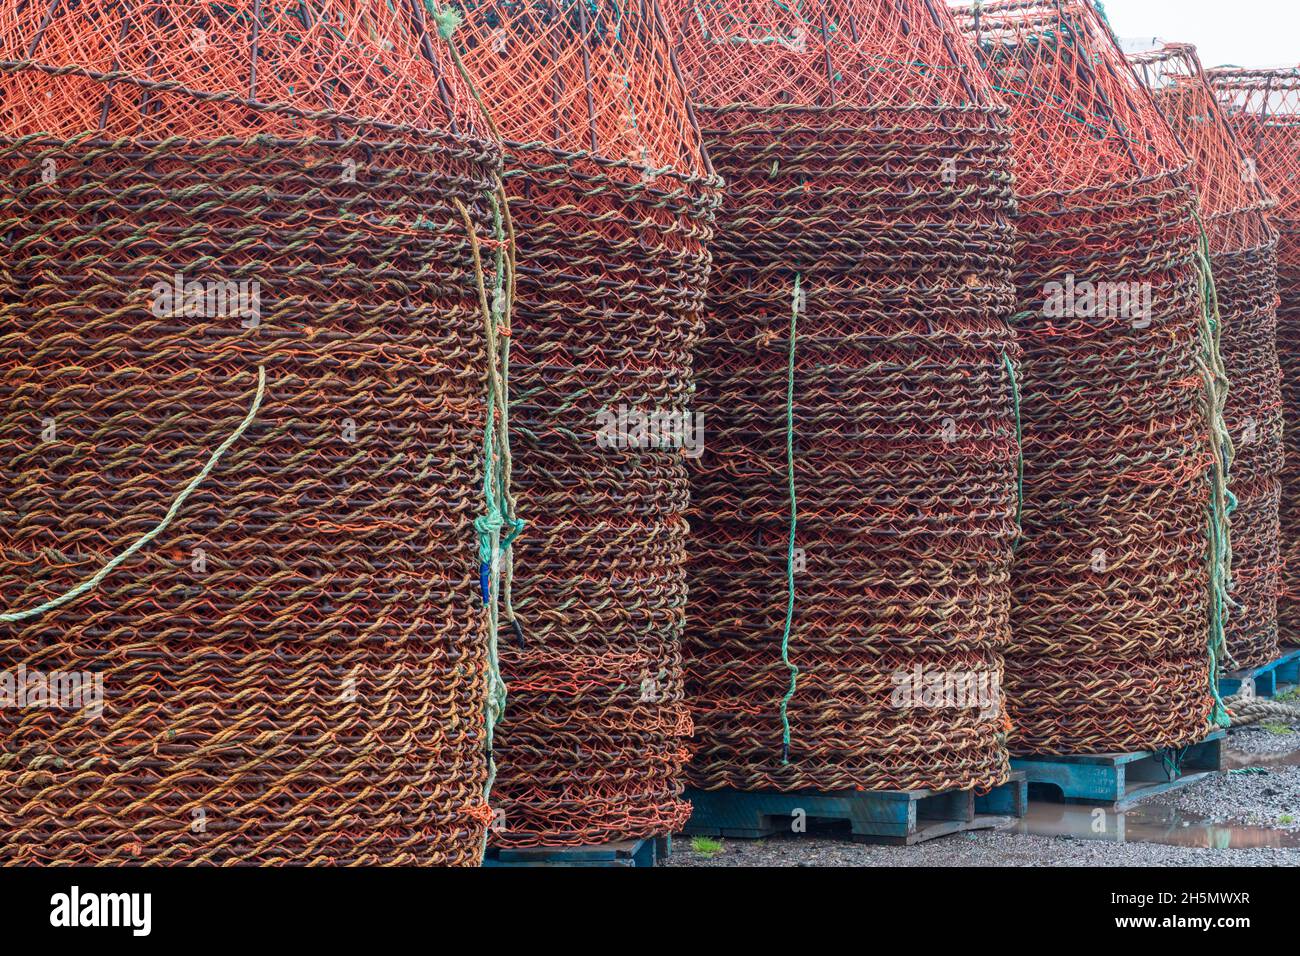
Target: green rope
[(1101, 8), (794, 519), (1171, 761), (1020, 446), (1222, 501), (9, 617), (446, 21), (499, 506)]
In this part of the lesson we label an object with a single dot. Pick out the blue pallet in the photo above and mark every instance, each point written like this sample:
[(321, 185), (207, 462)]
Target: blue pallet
[(901, 817), (1119, 780), (646, 852), (1267, 679)]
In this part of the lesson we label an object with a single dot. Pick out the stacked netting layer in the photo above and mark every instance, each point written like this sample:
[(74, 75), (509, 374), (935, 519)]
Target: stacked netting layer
[(1120, 580), (1243, 257), (1264, 108), (855, 511), (612, 204), (241, 437)]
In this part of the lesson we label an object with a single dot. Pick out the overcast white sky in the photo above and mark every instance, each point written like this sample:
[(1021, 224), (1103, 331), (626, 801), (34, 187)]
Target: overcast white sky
[(1241, 32)]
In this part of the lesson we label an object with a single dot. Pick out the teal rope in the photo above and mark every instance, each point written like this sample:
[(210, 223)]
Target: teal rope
[(794, 520), (1020, 446), (9, 617), (1101, 8), (1171, 760), (498, 511)]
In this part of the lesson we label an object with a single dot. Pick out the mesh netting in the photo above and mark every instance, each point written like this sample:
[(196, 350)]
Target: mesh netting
[(1264, 108), (1120, 581), (612, 205), (144, 70), (293, 669), (857, 379), (1243, 258)]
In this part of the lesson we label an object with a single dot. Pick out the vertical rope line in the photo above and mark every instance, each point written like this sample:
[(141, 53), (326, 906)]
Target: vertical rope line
[(1020, 447), (794, 521), (489, 525), (1222, 501)]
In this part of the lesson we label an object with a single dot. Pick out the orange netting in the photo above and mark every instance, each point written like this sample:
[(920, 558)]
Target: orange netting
[(1119, 582), (857, 356), (616, 96), (612, 206), (833, 52), (294, 669), (1081, 120), (1264, 108), (1243, 258), (150, 70)]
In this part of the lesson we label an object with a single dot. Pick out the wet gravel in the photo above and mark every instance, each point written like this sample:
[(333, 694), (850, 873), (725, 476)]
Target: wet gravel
[(1270, 799), (1256, 740), (1254, 799), (977, 848), (1266, 795)]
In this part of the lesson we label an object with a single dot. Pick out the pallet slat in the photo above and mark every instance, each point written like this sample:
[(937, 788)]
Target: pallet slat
[(634, 853), (1267, 679), (1120, 780), (902, 817)]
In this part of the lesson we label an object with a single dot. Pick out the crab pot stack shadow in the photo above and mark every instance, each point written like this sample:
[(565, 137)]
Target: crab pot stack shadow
[(1120, 580), (294, 669), (612, 204), (857, 375), (1243, 260), (1264, 108)]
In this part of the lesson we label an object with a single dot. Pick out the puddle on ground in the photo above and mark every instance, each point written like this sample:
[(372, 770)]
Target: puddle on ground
[(1235, 759), (1147, 824)]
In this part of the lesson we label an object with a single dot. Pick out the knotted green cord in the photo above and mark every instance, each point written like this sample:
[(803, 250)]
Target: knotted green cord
[(794, 519), (10, 617), (498, 503), (1222, 501), (1020, 447)]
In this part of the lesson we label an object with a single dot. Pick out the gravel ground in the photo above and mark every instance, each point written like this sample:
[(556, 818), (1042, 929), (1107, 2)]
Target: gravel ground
[(1270, 799), (978, 848), (1256, 740), (1257, 800)]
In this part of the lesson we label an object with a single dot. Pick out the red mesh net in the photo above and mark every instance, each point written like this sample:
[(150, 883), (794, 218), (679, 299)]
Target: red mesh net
[(1233, 200), (294, 670), (858, 311), (1243, 257), (838, 52), (127, 68), (1117, 589), (1081, 120), (612, 214), (615, 96), (1264, 108)]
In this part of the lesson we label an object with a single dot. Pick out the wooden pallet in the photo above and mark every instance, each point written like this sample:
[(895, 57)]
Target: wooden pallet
[(646, 852), (1119, 780), (1266, 680), (900, 817)]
